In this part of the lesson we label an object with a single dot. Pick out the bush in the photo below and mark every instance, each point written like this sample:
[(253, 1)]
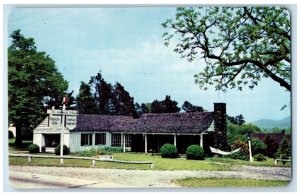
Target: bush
[(284, 151), (10, 135), (239, 155), (168, 151), (33, 148), (66, 150), (258, 146), (195, 152), (259, 157)]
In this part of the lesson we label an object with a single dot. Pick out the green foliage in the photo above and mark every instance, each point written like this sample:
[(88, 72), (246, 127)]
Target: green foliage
[(258, 146), (105, 99), (33, 83), (100, 151), (235, 132), (85, 100), (66, 150), (33, 148), (195, 152), (165, 106), (284, 151), (239, 155), (168, 151), (188, 107), (240, 45), (259, 157), (10, 135)]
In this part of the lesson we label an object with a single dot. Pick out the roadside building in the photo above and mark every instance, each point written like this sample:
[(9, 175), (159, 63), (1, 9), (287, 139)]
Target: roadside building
[(145, 134)]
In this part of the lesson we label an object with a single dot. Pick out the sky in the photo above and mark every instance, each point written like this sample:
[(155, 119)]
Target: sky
[(126, 44)]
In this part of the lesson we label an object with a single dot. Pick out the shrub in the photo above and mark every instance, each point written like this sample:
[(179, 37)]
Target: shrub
[(66, 150), (195, 152), (258, 146), (239, 155), (10, 135), (271, 146), (284, 151), (33, 148), (259, 157), (168, 151)]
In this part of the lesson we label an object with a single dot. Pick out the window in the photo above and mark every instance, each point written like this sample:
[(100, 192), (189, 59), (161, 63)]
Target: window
[(116, 140), (86, 139), (128, 140), (100, 139)]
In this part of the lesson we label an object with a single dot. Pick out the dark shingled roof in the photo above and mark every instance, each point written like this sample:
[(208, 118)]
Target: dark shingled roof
[(276, 136), (194, 122)]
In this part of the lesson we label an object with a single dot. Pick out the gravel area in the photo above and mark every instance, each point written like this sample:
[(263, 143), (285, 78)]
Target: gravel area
[(154, 178)]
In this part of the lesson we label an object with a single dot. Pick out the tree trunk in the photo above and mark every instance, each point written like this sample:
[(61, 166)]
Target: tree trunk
[(18, 141)]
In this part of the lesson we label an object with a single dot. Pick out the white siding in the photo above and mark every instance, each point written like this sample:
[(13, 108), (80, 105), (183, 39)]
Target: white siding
[(75, 141), (38, 140)]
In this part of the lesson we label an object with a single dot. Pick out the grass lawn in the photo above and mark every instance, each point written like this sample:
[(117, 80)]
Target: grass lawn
[(209, 164), (160, 163), (228, 182)]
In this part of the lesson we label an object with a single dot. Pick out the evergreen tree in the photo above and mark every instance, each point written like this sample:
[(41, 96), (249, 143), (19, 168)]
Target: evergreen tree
[(121, 100), (85, 101), (165, 106)]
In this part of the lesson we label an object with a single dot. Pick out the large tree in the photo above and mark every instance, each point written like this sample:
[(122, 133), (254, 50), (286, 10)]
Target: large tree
[(240, 45), (102, 94), (122, 101), (85, 101), (166, 106), (33, 80)]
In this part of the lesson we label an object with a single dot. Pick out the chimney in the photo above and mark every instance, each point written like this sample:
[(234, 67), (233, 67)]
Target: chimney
[(220, 126)]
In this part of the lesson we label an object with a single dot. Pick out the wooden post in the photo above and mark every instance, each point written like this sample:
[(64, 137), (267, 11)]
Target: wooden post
[(201, 140), (146, 143), (29, 159), (124, 143), (175, 140), (94, 162)]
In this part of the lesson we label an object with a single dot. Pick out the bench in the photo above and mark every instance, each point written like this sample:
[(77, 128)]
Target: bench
[(282, 160)]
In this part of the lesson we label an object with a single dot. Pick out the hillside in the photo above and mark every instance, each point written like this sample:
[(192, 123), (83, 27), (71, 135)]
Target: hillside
[(269, 124)]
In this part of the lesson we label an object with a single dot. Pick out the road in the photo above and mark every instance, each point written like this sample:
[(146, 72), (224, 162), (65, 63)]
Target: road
[(29, 177)]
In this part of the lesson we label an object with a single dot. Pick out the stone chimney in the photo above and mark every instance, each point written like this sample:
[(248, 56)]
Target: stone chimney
[(220, 126)]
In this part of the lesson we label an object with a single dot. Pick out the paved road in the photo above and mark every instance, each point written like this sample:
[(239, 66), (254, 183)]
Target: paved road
[(29, 177)]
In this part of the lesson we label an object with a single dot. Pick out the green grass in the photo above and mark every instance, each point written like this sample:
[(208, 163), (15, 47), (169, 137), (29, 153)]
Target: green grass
[(160, 163), (268, 162), (228, 182)]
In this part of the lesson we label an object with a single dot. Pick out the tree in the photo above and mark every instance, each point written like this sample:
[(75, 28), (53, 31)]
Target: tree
[(121, 100), (145, 107), (271, 146), (85, 101), (165, 106), (239, 45), (237, 120), (188, 107), (102, 94), (33, 80), (284, 151)]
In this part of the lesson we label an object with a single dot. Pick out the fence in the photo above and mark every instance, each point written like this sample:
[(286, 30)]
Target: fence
[(30, 156)]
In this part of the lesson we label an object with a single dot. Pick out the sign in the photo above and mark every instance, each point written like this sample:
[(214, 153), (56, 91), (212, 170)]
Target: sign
[(71, 121), (55, 118)]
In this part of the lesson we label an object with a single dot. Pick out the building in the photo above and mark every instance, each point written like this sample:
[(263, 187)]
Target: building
[(145, 134)]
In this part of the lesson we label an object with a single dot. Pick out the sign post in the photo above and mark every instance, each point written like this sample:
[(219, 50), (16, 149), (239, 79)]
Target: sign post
[(62, 135)]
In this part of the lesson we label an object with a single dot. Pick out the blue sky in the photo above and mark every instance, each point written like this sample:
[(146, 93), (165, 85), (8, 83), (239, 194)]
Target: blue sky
[(126, 44)]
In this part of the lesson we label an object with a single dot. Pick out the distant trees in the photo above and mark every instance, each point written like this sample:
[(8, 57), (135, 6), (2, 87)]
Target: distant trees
[(166, 106), (188, 107), (238, 120), (100, 97)]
